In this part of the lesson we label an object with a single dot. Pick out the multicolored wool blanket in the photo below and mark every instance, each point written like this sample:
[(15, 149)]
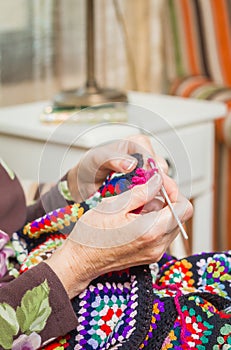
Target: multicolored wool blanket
[(172, 304)]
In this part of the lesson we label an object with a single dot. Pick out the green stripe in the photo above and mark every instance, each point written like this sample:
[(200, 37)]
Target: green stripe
[(176, 41), (206, 92)]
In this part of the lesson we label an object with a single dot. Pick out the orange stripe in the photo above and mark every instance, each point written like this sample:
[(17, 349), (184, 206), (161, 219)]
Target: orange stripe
[(219, 123), (194, 84), (227, 207), (216, 196), (221, 25), (228, 104), (174, 86), (189, 36)]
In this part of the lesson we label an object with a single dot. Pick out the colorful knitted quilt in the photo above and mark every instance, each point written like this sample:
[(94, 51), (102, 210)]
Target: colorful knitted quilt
[(172, 304)]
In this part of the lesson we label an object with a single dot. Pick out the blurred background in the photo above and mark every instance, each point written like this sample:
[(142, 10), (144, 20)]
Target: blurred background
[(42, 46)]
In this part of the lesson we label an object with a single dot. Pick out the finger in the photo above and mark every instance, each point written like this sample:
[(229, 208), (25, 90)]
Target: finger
[(140, 144), (133, 199), (121, 159), (163, 221), (154, 205), (170, 187), (158, 246), (125, 148), (183, 209), (161, 163), (119, 162)]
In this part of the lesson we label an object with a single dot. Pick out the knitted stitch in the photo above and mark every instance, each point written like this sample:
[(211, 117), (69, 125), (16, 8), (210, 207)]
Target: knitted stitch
[(65, 217), (178, 304)]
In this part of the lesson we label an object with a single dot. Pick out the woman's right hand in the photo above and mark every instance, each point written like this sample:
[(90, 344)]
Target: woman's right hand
[(112, 237)]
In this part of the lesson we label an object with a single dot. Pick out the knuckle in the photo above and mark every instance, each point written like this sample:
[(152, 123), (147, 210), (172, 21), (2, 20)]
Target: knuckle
[(142, 137), (153, 239), (156, 254), (148, 238), (186, 206), (162, 163), (189, 210)]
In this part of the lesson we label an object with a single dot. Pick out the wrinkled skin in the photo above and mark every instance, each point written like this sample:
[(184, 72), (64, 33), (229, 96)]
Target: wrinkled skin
[(136, 238)]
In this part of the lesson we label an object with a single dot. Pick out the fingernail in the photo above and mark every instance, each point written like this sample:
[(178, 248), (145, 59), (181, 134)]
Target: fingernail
[(128, 164)]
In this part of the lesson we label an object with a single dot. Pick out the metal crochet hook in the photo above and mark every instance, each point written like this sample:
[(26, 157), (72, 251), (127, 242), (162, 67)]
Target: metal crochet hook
[(166, 197)]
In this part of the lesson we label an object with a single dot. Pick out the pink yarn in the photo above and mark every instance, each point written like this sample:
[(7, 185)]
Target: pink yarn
[(178, 308), (143, 175)]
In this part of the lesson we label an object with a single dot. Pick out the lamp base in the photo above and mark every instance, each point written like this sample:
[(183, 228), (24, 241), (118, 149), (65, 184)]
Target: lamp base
[(88, 96)]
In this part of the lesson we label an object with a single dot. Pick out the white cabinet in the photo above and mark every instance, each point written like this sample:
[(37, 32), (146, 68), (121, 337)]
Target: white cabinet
[(182, 130)]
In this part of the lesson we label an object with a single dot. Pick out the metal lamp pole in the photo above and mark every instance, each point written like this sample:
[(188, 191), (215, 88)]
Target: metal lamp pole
[(90, 94)]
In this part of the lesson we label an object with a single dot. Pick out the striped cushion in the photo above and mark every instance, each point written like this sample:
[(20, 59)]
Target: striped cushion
[(200, 87), (198, 40), (203, 88), (198, 63)]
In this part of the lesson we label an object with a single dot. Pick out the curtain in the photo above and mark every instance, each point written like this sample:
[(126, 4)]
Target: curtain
[(42, 47)]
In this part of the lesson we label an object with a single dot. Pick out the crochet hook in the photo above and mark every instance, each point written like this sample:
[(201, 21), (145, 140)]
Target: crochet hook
[(166, 197)]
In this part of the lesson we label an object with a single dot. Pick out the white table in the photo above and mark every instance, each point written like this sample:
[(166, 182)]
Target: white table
[(182, 130)]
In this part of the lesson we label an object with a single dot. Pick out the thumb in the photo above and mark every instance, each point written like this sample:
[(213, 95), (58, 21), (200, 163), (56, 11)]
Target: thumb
[(142, 194), (120, 163)]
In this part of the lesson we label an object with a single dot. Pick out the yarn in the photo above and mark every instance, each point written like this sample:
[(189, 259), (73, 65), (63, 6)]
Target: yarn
[(179, 304), (114, 184)]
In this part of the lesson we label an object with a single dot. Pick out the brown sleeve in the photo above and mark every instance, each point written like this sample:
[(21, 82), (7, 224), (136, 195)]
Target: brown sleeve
[(62, 318), (12, 201)]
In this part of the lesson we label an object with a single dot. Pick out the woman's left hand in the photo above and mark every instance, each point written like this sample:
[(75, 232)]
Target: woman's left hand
[(88, 175)]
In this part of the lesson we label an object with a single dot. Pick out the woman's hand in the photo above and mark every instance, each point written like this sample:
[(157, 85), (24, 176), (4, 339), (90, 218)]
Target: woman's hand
[(88, 175), (112, 237)]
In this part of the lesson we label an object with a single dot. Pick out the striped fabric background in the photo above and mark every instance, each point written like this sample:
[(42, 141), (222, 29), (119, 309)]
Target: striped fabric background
[(197, 41), (200, 37)]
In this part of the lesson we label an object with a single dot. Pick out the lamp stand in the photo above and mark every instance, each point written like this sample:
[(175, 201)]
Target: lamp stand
[(90, 94)]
